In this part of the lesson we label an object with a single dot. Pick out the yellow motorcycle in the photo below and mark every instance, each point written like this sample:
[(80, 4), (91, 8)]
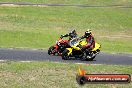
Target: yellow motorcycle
[(75, 50)]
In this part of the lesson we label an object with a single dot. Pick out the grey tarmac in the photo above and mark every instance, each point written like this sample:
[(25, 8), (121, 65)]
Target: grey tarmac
[(66, 5), (41, 55)]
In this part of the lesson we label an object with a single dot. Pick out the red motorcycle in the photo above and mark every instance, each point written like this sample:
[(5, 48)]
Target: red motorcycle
[(59, 47)]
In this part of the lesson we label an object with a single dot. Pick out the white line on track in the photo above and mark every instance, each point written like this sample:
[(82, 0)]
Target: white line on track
[(2, 60)]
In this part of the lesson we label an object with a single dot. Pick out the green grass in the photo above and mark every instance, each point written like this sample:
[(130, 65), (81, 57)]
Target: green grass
[(39, 27), (57, 75), (89, 2)]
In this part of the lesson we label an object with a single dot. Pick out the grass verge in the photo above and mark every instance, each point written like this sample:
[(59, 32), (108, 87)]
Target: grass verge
[(39, 27), (57, 75), (89, 2)]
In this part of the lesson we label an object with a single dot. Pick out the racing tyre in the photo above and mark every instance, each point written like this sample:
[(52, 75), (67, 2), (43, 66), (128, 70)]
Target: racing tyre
[(65, 55), (93, 55), (91, 59), (84, 57), (50, 50)]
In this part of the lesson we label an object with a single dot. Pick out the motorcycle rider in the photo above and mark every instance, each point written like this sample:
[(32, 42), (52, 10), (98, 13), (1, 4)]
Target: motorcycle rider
[(71, 35), (90, 40)]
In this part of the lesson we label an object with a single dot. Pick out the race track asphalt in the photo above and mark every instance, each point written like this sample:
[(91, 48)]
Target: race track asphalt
[(66, 5), (41, 55)]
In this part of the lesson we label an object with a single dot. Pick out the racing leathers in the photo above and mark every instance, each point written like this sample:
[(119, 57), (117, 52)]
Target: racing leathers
[(90, 42)]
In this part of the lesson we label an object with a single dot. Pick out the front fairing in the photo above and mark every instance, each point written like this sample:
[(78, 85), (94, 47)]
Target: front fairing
[(56, 46), (97, 46), (74, 44)]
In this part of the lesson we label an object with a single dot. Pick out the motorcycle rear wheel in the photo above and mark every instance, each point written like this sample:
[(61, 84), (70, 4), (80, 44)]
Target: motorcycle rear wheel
[(91, 59), (85, 58)]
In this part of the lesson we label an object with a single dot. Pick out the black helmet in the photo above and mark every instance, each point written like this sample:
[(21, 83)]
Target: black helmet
[(88, 32), (73, 31)]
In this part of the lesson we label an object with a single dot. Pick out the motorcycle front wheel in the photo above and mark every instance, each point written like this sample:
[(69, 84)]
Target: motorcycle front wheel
[(50, 51), (65, 55), (84, 57)]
